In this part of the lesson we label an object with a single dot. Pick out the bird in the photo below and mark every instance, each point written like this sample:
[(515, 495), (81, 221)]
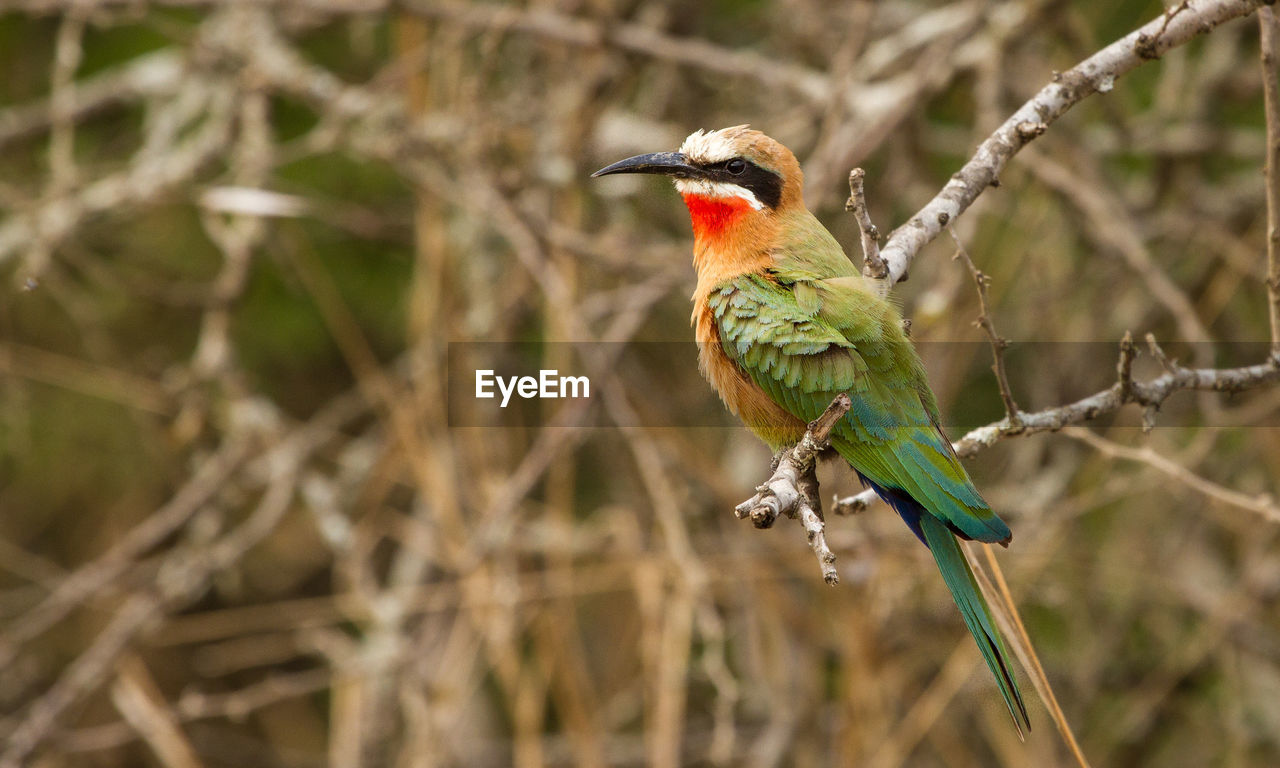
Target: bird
[(785, 323)]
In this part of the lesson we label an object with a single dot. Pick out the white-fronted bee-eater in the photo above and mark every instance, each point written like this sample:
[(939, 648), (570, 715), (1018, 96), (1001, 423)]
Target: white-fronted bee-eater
[(785, 323)]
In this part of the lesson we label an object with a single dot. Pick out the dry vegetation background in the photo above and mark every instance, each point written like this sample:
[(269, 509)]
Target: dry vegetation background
[(235, 525)]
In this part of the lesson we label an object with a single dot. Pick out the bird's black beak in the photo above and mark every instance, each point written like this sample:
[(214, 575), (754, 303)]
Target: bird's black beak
[(666, 163)]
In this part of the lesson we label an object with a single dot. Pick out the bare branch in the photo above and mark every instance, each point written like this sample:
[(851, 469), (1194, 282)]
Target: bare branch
[(1150, 393), (1096, 73), (1262, 504), (850, 505)]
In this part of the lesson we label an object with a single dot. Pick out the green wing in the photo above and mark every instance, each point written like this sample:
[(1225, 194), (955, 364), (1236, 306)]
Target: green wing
[(805, 341)]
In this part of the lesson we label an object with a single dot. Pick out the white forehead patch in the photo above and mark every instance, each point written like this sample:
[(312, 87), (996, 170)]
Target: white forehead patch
[(704, 188), (711, 146)]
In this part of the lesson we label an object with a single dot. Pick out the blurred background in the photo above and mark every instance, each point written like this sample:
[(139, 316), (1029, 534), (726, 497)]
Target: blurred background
[(242, 522)]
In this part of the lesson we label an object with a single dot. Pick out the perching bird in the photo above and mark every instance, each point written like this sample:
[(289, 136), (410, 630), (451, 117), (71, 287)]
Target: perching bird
[(785, 323)]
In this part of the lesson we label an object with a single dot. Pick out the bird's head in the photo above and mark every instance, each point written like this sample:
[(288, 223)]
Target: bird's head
[(731, 179)]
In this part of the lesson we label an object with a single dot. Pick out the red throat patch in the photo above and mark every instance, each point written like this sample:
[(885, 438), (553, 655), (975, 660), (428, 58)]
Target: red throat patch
[(711, 216)]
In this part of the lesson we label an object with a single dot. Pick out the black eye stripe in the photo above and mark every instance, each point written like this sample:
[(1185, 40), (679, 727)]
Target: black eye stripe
[(765, 185)]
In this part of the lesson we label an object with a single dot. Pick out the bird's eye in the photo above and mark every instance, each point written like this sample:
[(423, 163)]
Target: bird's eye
[(736, 166)]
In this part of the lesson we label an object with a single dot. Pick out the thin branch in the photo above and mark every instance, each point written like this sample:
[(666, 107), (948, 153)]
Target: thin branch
[(153, 75), (1262, 504), (142, 705), (873, 266), (1149, 393), (1271, 99), (1096, 73), (792, 490), (984, 321)]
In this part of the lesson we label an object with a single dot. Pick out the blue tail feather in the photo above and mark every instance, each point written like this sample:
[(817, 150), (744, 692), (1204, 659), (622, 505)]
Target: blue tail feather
[(906, 507)]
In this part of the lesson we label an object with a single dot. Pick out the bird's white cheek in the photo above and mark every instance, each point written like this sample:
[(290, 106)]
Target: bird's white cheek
[(717, 189)]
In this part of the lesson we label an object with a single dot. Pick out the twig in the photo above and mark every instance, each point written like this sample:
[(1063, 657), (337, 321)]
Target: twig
[(1124, 366), (1263, 504), (998, 344), (850, 505), (792, 490), (142, 705), (1124, 378), (1270, 30), (1096, 73), (873, 266)]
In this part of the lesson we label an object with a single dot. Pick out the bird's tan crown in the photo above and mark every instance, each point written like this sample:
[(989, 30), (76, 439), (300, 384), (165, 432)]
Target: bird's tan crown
[(708, 147), (737, 141)]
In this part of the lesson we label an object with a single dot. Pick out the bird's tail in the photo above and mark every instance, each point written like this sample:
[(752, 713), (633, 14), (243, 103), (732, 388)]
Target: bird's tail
[(977, 614)]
